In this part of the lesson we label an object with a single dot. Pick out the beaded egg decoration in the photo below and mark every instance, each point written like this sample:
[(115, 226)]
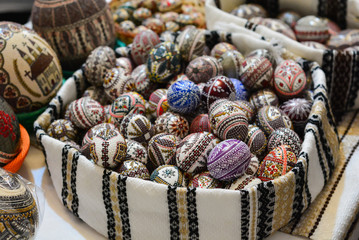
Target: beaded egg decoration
[(93, 131), (241, 91), (116, 82), (142, 45), (270, 118), (154, 99), (125, 63), (172, 123), (63, 130), (312, 28), (143, 85), (298, 110), (200, 124), (125, 31), (162, 106), (191, 43), (264, 97), (253, 166), (217, 88), (135, 151), (164, 62), (168, 175), (228, 160), (204, 180), (285, 136), (193, 151), (201, 69), (277, 163), (247, 108), (244, 182), (256, 73), (289, 80), (132, 168), (256, 140), (183, 96), (220, 48), (136, 127), (172, 26), (162, 149), (262, 52), (231, 62)]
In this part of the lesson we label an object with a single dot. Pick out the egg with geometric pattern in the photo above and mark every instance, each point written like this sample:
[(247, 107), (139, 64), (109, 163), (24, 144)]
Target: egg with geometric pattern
[(168, 175)]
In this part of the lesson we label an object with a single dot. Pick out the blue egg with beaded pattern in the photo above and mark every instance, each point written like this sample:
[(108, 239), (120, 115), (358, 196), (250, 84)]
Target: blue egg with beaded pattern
[(183, 96), (241, 91)]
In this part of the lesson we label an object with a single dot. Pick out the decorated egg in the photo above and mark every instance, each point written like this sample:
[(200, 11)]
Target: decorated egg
[(141, 14), (315, 45), (204, 180), (264, 97), (247, 108), (86, 113), (200, 124), (73, 28), (270, 118), (253, 166), (201, 69), (139, 29), (125, 63), (172, 26), (168, 175), (125, 31), (164, 62), (289, 80), (135, 151), (344, 39), (218, 88), (62, 129), (116, 82), (256, 140), (142, 45), (143, 85), (87, 139), (169, 16), (162, 149), (170, 5), (298, 110), (231, 62), (154, 24), (241, 91), (185, 20), (244, 182), (220, 48), (183, 96), (227, 120), (132, 168), (96, 93), (256, 73), (261, 52), (172, 123), (312, 28), (162, 106), (275, 25), (289, 17), (285, 136), (136, 127), (30, 72), (154, 99), (193, 151), (249, 11), (120, 15), (228, 160), (191, 43), (277, 163)]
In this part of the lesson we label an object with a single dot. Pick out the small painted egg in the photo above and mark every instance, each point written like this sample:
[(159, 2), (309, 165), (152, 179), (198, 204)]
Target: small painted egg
[(164, 62), (141, 14), (285, 136), (312, 28), (241, 91), (125, 63), (201, 69), (172, 123), (191, 43), (154, 99), (228, 120), (143, 85), (298, 110), (168, 175), (142, 45), (200, 124), (344, 39), (87, 139), (162, 149), (86, 113), (98, 62), (253, 166), (125, 31), (97, 93), (120, 15), (155, 25), (315, 45), (169, 5), (256, 73), (275, 25), (116, 82), (228, 160), (263, 53), (204, 180), (289, 17), (62, 129), (277, 163), (193, 151), (256, 140), (218, 88), (132, 168), (136, 127), (169, 16), (247, 108), (289, 80), (264, 97), (249, 11), (244, 182), (135, 151), (231, 62), (127, 103), (270, 118), (172, 26), (183, 96), (220, 48)]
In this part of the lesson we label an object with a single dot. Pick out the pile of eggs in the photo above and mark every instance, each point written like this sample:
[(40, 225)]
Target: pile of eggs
[(181, 114)]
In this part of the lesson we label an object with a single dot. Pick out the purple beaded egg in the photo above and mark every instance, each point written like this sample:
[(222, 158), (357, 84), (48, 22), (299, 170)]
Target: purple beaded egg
[(285, 136), (270, 118), (142, 45), (63, 130), (137, 127), (204, 180), (172, 123), (132, 168), (162, 149), (256, 73), (241, 91), (216, 88), (135, 151), (200, 124), (201, 69), (116, 82), (168, 175), (264, 97), (256, 140)]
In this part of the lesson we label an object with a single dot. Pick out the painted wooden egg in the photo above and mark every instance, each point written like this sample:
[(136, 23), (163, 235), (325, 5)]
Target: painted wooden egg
[(154, 99), (62, 129), (142, 45), (285, 136), (312, 28), (73, 28), (289, 17), (162, 149), (247, 108), (275, 25), (127, 103), (169, 5), (168, 175), (264, 97), (133, 168), (162, 106), (191, 43), (201, 69), (169, 16), (220, 48), (315, 45), (244, 182), (172, 123), (261, 52), (231, 62), (218, 88), (249, 11), (98, 62), (204, 180), (164, 62), (9, 133), (87, 139), (270, 118), (137, 127), (125, 63), (108, 148), (98, 94), (277, 163), (344, 39), (135, 151), (116, 82), (229, 160), (298, 110), (86, 113), (289, 80), (200, 124), (256, 73), (256, 140), (30, 72), (125, 31), (141, 14), (172, 26), (183, 96), (253, 165), (143, 85), (241, 91), (228, 120), (193, 151), (155, 25)]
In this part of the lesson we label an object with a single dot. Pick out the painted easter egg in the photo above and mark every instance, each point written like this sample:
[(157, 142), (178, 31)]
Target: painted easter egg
[(201, 69), (200, 124), (256, 73), (253, 166), (191, 43), (141, 14), (204, 180), (154, 24), (298, 110), (93, 131), (344, 39), (241, 91), (135, 151), (116, 82), (136, 127), (143, 85), (142, 45), (220, 48), (183, 96), (249, 11), (154, 99), (168, 175), (216, 88), (162, 149), (262, 52), (285, 136), (270, 118), (264, 97), (162, 106), (125, 63), (247, 108), (312, 28), (256, 140), (169, 5), (125, 31), (62, 129), (231, 62), (132, 168), (172, 123), (289, 17), (275, 25)]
